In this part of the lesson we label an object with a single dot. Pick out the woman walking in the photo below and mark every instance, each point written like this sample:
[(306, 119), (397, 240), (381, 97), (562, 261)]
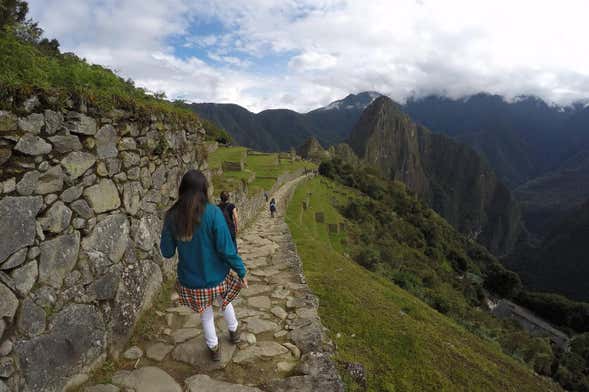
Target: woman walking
[(207, 258)]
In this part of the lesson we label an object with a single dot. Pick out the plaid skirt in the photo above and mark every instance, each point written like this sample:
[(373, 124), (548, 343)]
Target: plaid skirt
[(200, 299)]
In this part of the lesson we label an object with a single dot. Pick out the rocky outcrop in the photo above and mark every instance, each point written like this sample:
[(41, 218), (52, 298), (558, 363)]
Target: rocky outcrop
[(82, 195), (312, 150), (447, 175)]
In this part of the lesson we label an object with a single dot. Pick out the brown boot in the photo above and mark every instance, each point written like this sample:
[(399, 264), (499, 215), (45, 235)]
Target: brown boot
[(234, 336), (216, 352)]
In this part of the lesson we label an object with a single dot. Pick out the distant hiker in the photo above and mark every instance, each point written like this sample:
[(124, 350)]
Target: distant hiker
[(266, 196), (230, 213), (207, 259), (272, 207)]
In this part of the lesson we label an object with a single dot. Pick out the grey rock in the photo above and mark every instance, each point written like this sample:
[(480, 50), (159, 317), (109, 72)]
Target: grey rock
[(5, 154), (51, 181), (102, 388), (183, 334), (260, 302), (34, 251), (71, 194), (80, 123), (158, 177), (127, 143), (146, 379), (306, 384), (57, 218), (133, 353), (146, 232), (106, 142), (203, 383), (308, 337), (89, 179), (134, 173), (257, 326), (2, 327), (4, 387), (9, 302), (31, 319), (58, 258), (53, 121), (17, 230), (113, 166), (76, 163), (7, 367), (82, 208), (139, 284), (44, 166), (79, 223), (76, 341), (293, 349), (132, 192), (33, 145), (145, 177), (31, 103), (32, 123), (15, 260), (195, 353), (158, 351), (261, 350), (9, 185), (6, 347), (72, 278), (130, 159), (66, 143), (103, 196), (49, 199), (28, 183), (279, 312), (45, 296), (7, 121), (25, 277), (109, 238), (106, 286)]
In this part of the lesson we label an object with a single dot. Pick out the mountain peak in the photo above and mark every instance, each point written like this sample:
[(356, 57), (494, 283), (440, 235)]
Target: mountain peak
[(352, 101)]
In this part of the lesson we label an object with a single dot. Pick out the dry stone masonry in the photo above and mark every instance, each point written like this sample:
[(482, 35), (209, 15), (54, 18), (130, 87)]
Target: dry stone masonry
[(81, 202), (283, 344)]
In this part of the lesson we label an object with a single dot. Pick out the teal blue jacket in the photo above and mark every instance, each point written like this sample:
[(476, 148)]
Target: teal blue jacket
[(205, 260)]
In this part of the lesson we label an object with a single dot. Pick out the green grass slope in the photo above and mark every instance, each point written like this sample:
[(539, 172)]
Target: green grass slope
[(261, 170), (404, 344)]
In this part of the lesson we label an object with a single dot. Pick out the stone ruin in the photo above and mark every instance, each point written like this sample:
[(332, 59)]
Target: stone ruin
[(82, 196)]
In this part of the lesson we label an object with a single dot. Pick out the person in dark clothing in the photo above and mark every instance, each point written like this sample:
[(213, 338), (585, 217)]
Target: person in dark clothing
[(272, 207), (230, 213)]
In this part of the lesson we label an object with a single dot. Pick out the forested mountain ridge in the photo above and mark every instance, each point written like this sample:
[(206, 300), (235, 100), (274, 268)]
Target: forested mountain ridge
[(282, 129), (449, 176)]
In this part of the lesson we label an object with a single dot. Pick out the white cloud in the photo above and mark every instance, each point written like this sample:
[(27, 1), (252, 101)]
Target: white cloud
[(333, 47)]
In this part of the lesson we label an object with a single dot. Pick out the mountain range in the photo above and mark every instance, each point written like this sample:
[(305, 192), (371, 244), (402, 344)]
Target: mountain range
[(449, 176), (532, 146)]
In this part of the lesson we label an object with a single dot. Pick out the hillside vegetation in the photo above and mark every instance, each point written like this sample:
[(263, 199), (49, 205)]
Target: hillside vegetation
[(26, 68), (404, 344)]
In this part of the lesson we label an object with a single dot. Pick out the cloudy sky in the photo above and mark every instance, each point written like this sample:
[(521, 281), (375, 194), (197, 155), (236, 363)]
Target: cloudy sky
[(302, 54)]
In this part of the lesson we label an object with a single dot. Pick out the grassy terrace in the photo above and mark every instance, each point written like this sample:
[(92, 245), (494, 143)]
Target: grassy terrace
[(25, 69), (265, 167), (404, 344)]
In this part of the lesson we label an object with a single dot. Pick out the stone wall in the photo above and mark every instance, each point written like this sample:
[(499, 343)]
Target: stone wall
[(81, 201)]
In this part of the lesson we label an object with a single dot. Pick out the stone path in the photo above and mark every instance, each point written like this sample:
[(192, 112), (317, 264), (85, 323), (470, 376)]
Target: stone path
[(284, 347)]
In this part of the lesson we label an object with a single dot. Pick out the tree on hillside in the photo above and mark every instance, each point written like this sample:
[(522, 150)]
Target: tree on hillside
[(13, 19)]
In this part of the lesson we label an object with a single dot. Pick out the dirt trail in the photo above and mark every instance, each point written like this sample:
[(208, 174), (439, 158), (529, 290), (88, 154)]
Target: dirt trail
[(283, 348)]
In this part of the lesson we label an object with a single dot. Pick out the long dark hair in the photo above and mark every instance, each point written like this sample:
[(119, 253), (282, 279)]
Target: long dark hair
[(193, 197)]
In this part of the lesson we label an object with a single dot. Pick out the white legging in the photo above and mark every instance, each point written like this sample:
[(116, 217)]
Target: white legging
[(208, 323)]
